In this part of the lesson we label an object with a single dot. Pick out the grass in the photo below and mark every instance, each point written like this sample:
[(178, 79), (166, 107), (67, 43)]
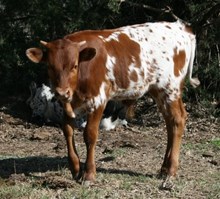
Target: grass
[(123, 171), (216, 143), (212, 189), (205, 146), (15, 191), (109, 185), (59, 184)]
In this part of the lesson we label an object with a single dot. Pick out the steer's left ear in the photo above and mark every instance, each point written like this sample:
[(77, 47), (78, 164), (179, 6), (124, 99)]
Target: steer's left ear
[(35, 54), (86, 53)]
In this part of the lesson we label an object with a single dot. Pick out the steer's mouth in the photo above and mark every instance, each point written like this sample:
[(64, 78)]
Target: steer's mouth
[(64, 95), (64, 99)]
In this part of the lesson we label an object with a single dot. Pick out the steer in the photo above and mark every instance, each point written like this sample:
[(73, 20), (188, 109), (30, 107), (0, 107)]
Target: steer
[(89, 68)]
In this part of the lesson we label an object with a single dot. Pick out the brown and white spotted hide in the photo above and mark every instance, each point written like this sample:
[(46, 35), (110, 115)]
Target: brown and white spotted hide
[(89, 68), (46, 109)]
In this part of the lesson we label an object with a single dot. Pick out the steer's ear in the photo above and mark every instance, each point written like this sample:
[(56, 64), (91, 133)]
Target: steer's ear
[(85, 53), (35, 54)]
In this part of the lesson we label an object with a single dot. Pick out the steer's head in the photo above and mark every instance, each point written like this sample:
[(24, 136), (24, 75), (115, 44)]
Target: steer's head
[(63, 57)]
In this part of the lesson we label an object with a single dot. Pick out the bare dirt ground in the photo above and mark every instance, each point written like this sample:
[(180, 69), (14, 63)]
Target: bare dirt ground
[(33, 161)]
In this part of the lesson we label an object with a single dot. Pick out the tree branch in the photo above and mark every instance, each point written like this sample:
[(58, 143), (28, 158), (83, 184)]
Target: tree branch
[(167, 10), (19, 18), (218, 55), (210, 13), (143, 6)]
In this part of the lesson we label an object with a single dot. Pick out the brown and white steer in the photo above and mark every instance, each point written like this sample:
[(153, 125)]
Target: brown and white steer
[(88, 68)]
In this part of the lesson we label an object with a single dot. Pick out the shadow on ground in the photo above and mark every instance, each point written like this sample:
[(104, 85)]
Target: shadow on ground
[(30, 165)]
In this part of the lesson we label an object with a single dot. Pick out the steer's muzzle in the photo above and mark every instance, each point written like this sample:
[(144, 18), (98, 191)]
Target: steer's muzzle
[(63, 94)]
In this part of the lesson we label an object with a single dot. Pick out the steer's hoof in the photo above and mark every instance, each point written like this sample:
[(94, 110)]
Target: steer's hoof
[(77, 177), (88, 179), (167, 183), (87, 183)]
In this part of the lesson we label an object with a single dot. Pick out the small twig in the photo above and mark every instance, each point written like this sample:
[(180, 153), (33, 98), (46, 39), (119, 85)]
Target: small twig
[(213, 10), (142, 5), (19, 18), (218, 55), (170, 11)]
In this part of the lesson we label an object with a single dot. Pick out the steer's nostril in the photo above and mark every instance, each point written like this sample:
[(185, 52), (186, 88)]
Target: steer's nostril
[(59, 92), (62, 93), (68, 93)]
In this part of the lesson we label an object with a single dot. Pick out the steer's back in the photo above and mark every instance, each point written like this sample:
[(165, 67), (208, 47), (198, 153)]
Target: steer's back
[(151, 54), (139, 57)]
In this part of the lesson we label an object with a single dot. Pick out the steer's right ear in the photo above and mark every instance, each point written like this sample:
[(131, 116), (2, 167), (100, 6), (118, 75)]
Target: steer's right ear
[(36, 55)]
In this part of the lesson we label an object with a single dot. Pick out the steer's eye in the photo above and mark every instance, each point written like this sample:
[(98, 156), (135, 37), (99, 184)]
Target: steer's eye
[(73, 67)]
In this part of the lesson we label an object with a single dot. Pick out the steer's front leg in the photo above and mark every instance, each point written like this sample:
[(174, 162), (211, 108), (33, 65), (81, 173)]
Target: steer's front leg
[(73, 158), (90, 138)]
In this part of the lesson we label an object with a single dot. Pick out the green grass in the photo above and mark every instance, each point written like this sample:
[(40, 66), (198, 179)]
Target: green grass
[(204, 146), (212, 189), (16, 191), (109, 185), (216, 143)]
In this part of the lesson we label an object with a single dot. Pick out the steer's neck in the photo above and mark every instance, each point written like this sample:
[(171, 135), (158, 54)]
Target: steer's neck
[(77, 100)]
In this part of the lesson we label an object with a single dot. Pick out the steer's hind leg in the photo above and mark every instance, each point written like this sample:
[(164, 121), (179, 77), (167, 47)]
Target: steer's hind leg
[(90, 137), (73, 159), (175, 116)]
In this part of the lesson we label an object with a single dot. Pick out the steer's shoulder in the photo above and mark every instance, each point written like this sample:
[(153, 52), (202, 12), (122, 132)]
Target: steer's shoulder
[(89, 35)]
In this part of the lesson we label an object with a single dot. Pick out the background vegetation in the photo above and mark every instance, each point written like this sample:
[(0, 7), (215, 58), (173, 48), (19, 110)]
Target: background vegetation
[(24, 23)]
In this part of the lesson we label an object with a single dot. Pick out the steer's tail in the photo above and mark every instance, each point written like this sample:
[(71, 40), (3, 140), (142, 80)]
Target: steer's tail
[(193, 81)]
